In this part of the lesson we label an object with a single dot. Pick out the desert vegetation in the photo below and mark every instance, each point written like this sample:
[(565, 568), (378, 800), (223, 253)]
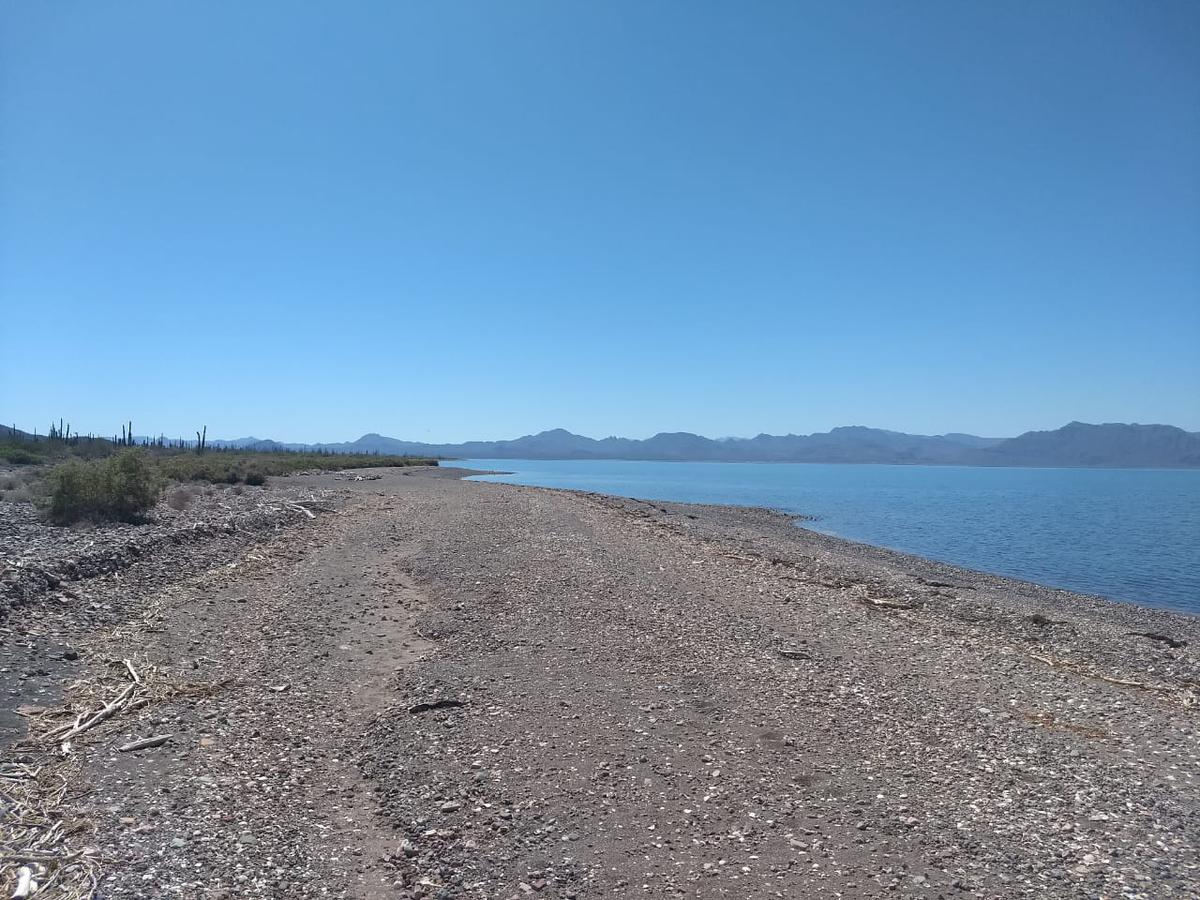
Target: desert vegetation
[(122, 487), (83, 477), (239, 467)]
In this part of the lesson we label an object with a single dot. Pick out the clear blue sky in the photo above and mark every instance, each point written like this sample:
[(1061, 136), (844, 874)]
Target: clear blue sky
[(475, 220)]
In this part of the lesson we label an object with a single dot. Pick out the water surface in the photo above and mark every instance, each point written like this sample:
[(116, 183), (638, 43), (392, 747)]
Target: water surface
[(1126, 534)]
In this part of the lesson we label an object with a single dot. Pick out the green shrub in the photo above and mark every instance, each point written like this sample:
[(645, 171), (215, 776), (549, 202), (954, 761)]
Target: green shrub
[(233, 467), (120, 487), (19, 456)]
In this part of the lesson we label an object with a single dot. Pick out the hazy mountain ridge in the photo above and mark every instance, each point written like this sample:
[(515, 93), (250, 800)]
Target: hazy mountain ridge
[(1081, 445), (1076, 444)]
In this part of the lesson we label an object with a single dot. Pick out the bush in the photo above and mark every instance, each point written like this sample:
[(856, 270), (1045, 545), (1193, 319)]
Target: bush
[(19, 456), (121, 487), (256, 478)]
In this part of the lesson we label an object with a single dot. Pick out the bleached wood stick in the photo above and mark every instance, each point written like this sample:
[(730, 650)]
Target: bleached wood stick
[(307, 512), (145, 743), (103, 714), (25, 883), (81, 725)]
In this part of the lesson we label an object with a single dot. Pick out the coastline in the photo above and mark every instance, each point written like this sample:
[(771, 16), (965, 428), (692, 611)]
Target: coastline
[(1120, 538), (1024, 596), (594, 696)]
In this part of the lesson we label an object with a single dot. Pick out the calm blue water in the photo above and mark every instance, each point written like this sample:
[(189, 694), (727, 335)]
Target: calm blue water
[(1128, 534)]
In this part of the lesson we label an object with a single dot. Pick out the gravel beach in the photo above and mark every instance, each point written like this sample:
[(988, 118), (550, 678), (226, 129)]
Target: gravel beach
[(395, 684)]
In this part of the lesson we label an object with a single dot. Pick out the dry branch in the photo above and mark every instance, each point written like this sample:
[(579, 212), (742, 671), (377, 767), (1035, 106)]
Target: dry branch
[(100, 716), (64, 733)]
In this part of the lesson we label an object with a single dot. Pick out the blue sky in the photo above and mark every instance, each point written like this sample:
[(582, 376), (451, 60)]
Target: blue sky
[(475, 220)]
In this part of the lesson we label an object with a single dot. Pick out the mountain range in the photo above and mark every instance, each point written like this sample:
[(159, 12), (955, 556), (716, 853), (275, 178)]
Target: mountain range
[(1075, 445)]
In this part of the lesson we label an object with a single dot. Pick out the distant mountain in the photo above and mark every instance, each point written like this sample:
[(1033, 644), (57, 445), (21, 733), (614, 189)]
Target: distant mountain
[(1077, 444), (970, 440), (1074, 445)]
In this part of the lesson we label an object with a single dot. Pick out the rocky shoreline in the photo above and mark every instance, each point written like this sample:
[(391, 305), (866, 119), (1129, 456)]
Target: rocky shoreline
[(416, 686)]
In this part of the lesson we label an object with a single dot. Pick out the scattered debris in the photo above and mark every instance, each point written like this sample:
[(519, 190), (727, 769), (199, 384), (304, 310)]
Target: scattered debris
[(65, 733), (35, 839), (1185, 696)]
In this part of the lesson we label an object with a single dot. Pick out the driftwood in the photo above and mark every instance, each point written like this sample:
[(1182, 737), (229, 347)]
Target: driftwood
[(145, 743), (1089, 673), (25, 883), (83, 724)]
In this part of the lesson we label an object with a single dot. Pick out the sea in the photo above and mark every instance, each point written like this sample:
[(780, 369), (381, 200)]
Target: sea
[(1131, 535)]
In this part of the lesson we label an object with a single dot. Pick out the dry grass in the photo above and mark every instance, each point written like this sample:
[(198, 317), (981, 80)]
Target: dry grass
[(24, 486)]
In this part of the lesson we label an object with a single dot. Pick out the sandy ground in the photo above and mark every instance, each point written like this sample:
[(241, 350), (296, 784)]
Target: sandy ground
[(437, 688)]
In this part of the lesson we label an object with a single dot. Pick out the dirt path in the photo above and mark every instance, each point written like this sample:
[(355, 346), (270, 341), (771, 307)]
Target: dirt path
[(257, 794), (457, 690)]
